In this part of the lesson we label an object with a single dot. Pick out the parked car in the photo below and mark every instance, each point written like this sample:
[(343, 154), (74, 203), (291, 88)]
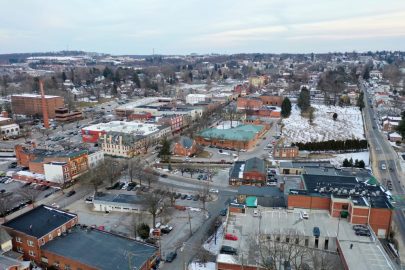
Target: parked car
[(362, 233), (223, 212), (229, 236), (213, 190), (70, 193), (304, 215), (228, 250), (89, 200), (189, 197), (163, 175), (316, 232), (171, 256), (183, 197)]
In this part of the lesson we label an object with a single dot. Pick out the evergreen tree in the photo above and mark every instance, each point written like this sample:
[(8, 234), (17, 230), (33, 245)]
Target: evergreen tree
[(346, 163), (286, 107), (136, 80), (360, 101), (64, 76), (401, 126), (335, 116), (362, 164), (143, 230), (165, 152), (304, 100)]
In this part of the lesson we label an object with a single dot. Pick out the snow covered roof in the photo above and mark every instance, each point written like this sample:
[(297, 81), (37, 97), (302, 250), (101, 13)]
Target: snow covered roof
[(33, 96)]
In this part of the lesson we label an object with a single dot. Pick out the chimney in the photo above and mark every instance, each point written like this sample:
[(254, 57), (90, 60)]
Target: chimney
[(44, 108)]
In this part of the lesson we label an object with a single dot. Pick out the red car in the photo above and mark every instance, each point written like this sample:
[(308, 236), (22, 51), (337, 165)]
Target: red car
[(229, 236)]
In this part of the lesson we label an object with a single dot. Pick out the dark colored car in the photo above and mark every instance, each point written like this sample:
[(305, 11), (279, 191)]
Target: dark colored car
[(228, 250), (163, 175), (316, 232), (183, 197), (223, 212), (70, 193), (171, 256), (362, 233), (196, 197), (165, 230), (360, 227)]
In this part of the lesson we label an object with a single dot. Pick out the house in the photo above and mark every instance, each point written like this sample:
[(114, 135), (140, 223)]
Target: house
[(10, 260), (394, 137), (119, 203), (250, 172), (185, 147)]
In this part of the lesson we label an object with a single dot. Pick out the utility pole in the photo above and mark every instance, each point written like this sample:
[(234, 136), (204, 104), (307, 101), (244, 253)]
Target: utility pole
[(189, 221)]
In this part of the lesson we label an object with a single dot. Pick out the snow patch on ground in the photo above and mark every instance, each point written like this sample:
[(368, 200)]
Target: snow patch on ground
[(227, 124), (201, 266), (349, 125), (194, 209), (338, 160), (210, 244)]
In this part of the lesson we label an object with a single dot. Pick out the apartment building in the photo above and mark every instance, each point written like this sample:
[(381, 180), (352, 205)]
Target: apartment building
[(31, 104)]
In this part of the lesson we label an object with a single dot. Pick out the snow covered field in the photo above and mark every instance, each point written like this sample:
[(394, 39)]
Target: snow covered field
[(349, 125), (210, 244), (365, 156)]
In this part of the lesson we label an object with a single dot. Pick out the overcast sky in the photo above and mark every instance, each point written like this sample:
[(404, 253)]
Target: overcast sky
[(205, 26)]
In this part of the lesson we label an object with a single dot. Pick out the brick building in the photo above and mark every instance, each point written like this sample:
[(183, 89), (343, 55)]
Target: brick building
[(52, 237), (35, 228), (31, 104), (272, 100), (250, 172), (185, 147), (289, 152), (64, 115), (240, 137), (174, 121), (56, 164), (345, 197)]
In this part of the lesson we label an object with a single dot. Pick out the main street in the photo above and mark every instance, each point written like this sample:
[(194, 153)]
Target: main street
[(383, 153)]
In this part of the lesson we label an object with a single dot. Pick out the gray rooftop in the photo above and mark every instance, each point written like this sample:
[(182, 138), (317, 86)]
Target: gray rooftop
[(6, 263), (119, 198), (255, 164), (100, 249), (279, 221), (40, 221)]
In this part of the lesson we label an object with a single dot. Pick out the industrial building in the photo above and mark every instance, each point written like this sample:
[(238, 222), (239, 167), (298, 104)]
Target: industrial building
[(31, 104), (250, 172)]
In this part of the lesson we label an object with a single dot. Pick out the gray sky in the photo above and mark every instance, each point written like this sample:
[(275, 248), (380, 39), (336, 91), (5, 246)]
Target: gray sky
[(186, 26)]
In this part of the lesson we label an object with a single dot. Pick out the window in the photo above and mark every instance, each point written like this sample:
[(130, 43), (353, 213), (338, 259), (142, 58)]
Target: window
[(50, 237), (326, 244), (306, 242), (19, 249), (31, 253), (56, 264), (67, 267), (42, 240), (30, 243), (63, 228), (18, 240)]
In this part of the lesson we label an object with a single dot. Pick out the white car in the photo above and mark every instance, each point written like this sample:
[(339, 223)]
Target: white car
[(383, 167), (213, 190)]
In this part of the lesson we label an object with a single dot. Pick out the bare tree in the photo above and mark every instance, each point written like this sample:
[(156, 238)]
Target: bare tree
[(30, 194), (204, 194), (94, 177), (171, 195), (134, 168), (112, 169), (25, 132), (6, 201), (148, 142), (150, 177), (152, 203)]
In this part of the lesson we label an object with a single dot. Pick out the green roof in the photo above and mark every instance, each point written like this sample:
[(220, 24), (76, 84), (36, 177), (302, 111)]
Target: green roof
[(372, 181), (251, 201), (239, 133)]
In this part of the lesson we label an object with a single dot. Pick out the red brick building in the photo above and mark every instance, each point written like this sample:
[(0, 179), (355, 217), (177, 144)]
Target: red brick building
[(185, 147), (31, 104), (289, 152), (64, 115), (141, 116), (250, 172), (52, 237), (174, 121), (272, 100), (345, 197)]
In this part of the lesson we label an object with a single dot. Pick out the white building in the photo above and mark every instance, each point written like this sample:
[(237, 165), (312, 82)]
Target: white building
[(95, 158), (119, 203), (195, 98), (10, 130), (57, 172)]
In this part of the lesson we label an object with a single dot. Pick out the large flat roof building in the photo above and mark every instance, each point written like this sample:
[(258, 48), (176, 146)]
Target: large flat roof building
[(88, 248), (31, 104)]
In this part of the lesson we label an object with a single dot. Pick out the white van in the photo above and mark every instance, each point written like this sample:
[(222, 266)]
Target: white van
[(304, 215)]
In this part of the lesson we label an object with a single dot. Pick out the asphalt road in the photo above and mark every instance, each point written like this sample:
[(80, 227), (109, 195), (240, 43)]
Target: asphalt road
[(382, 152)]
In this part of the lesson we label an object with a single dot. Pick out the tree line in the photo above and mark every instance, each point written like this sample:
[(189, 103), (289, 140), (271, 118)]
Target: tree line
[(332, 145)]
